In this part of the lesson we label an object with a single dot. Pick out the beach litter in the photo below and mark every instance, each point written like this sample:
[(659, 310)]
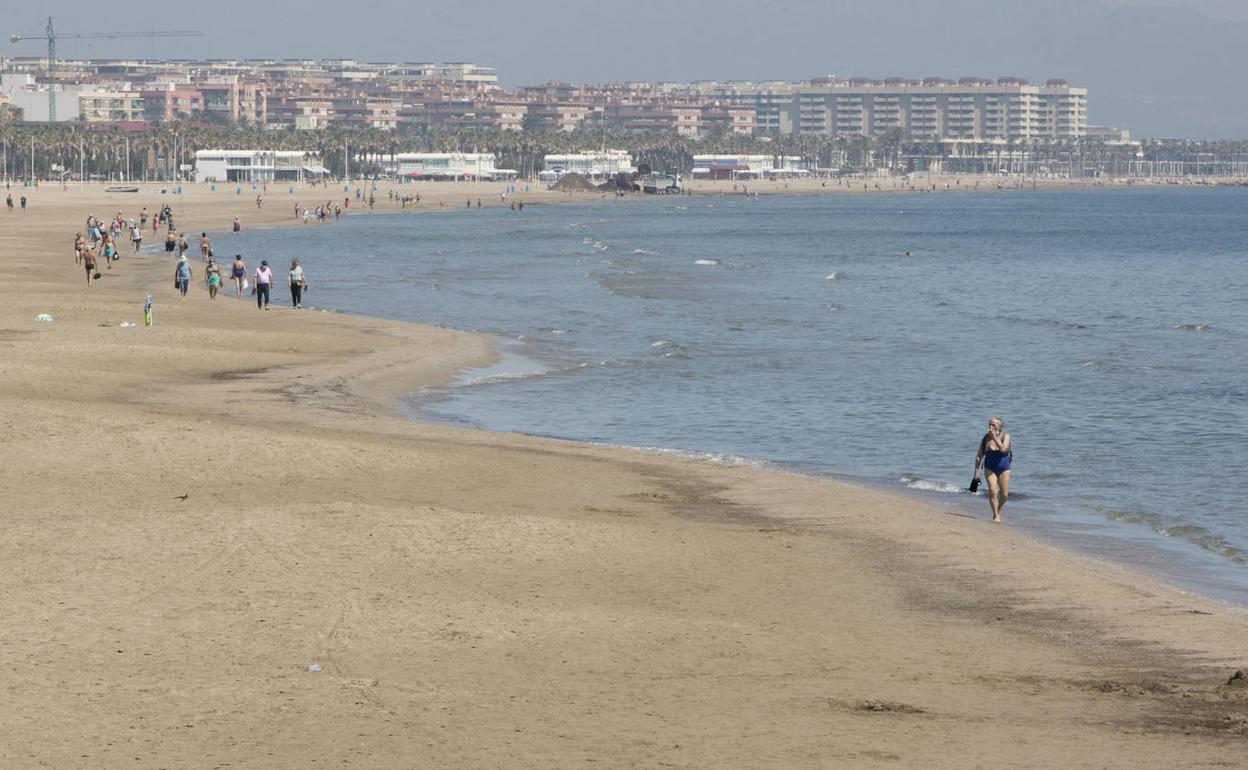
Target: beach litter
[(127, 325), (44, 318), (314, 667)]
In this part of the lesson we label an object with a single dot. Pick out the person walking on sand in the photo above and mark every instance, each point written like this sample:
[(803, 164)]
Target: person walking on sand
[(264, 282), (182, 277), (109, 251), (204, 246), (183, 246), (213, 274), (136, 237), (994, 453), (297, 284), (88, 261), (237, 224), (80, 245), (238, 272)]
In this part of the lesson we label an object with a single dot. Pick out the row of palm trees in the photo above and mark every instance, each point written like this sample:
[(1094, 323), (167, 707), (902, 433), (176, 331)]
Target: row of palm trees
[(68, 150)]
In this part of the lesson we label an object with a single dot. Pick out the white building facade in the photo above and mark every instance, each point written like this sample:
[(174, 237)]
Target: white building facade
[(257, 166), (447, 166), (932, 108), (1009, 109), (596, 165)]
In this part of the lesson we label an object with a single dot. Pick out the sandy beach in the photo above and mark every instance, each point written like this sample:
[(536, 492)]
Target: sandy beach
[(198, 513)]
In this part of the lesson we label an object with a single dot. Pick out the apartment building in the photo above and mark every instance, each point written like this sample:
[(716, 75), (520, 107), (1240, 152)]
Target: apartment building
[(478, 114), (932, 108), (770, 101), (170, 102), (111, 106), (972, 108), (231, 100), (560, 116), (729, 119)]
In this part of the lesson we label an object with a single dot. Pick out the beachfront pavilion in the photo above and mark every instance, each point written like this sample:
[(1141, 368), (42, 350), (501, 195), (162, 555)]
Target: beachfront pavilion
[(595, 165), (713, 167), (257, 166), (446, 166)]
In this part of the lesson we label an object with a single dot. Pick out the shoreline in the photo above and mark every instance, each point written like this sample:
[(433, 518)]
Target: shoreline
[(1188, 562), (475, 598)]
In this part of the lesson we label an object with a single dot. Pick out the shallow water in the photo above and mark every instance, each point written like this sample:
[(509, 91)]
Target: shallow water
[(1108, 328)]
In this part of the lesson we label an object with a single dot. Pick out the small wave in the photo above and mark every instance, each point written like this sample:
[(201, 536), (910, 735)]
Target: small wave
[(925, 485), (552, 330), (706, 261), (646, 252), (501, 377), (1191, 533), (624, 363), (663, 344), (833, 306), (712, 457), (1193, 327), (835, 275)]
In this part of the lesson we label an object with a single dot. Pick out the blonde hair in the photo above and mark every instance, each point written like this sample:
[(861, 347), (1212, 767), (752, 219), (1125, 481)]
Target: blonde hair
[(997, 420)]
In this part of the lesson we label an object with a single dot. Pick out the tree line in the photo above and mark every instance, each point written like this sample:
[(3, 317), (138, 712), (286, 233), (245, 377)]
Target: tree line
[(68, 150)]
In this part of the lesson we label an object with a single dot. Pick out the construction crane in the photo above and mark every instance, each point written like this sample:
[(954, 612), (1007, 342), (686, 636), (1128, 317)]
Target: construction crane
[(51, 36)]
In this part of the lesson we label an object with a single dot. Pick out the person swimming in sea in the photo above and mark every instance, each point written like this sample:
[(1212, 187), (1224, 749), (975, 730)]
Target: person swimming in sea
[(994, 453)]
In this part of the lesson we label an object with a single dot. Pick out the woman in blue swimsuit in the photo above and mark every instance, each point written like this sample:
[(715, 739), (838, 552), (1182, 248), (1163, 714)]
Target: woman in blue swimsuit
[(238, 273), (994, 453)]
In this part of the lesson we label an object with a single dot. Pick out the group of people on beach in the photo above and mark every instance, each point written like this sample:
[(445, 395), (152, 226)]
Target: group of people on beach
[(99, 243), (261, 280), (322, 212), (104, 240)]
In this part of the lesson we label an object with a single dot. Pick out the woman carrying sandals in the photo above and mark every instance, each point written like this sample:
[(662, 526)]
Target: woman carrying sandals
[(994, 453)]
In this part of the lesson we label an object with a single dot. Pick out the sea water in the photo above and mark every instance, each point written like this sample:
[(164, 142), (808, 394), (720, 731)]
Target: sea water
[(866, 337)]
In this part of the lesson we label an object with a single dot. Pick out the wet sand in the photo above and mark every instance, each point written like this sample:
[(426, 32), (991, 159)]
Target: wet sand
[(486, 600)]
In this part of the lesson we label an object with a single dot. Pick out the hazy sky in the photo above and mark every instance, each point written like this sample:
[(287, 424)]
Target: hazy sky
[(1161, 68)]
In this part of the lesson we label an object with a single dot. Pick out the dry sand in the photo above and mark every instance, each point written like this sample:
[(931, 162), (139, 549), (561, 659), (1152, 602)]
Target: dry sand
[(481, 600)]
